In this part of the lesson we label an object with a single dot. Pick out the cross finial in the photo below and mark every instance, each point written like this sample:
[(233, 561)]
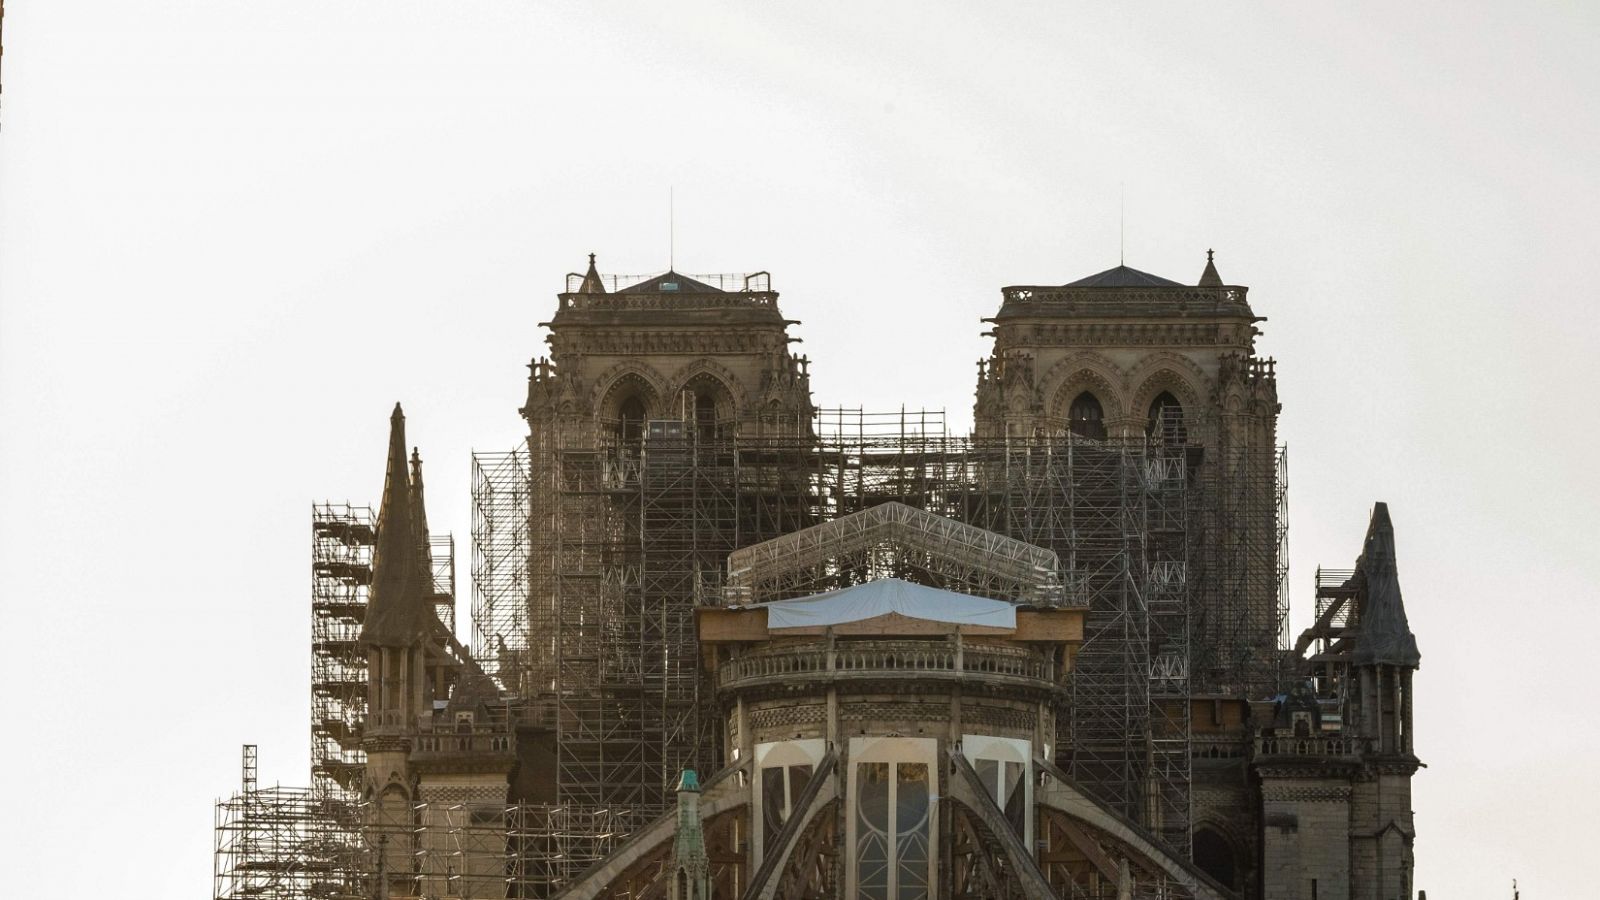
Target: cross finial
[(1208, 255), (591, 259)]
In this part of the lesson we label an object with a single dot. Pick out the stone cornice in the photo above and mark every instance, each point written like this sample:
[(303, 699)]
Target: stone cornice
[(1175, 301), (1306, 793), (1042, 333), (381, 743), (676, 341), (1398, 764), (1307, 767), (463, 764)]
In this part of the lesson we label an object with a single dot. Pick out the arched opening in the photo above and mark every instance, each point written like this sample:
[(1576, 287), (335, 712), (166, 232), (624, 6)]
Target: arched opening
[(707, 407), (893, 784), (630, 420), (1086, 417), (776, 419), (705, 416), (1165, 424), (1214, 854)]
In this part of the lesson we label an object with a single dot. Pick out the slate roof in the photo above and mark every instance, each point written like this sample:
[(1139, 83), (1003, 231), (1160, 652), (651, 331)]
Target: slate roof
[(1385, 637), (1122, 277), (671, 283)]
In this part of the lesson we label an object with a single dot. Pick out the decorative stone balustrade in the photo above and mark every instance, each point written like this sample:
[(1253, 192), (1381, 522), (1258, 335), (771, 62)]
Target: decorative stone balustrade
[(913, 660), (1023, 300), (669, 301), (450, 742), (1320, 745)]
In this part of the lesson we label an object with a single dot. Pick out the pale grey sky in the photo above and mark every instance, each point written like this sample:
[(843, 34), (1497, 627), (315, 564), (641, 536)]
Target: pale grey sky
[(233, 233)]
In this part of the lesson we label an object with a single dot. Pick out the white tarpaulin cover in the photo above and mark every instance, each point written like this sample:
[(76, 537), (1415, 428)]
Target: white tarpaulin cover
[(889, 595)]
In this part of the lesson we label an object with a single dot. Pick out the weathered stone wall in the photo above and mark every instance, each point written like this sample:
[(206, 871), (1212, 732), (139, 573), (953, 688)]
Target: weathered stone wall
[(1305, 839)]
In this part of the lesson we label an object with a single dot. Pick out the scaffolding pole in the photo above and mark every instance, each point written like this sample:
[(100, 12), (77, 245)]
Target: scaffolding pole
[(342, 541), (621, 538)]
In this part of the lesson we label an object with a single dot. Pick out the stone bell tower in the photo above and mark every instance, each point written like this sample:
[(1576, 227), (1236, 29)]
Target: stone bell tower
[(1125, 354), (654, 393), (1131, 358), (712, 354)]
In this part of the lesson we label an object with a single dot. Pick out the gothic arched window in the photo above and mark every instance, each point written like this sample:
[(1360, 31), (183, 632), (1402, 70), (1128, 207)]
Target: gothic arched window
[(1165, 425), (1086, 418), (1215, 856), (705, 417), (630, 420), (894, 782)]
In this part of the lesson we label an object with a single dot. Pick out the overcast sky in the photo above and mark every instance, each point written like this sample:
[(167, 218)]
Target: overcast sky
[(234, 233)]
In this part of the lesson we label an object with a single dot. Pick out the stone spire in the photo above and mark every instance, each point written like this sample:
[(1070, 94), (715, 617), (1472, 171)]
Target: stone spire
[(397, 612), (1210, 278), (419, 513), (591, 280), (1385, 637)]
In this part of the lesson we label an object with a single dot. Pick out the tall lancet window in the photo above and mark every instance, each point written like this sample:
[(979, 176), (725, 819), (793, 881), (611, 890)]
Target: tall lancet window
[(630, 421), (1086, 418), (1002, 765), (785, 769), (892, 819), (1165, 425), (705, 417)]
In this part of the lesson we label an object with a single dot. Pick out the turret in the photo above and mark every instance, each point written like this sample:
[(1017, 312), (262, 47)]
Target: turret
[(1383, 660), (399, 622), (691, 868), (398, 619), (1385, 654), (1335, 768)]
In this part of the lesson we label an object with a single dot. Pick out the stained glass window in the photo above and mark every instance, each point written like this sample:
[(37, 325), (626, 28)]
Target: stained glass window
[(873, 832), (911, 809)]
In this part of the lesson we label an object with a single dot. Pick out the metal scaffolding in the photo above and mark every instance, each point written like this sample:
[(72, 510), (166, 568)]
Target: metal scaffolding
[(893, 540), (442, 569), (278, 843), (1175, 549), (342, 541), (590, 551), (501, 632)]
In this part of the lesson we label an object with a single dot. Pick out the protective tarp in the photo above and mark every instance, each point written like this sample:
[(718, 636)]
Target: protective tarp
[(889, 595)]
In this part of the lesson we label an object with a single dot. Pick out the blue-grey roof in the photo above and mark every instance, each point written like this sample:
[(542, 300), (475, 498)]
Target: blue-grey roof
[(669, 283), (1122, 276)]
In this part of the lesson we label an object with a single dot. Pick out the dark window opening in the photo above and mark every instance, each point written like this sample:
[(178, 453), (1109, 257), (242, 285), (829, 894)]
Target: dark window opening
[(705, 417), (773, 811), (1165, 425), (1214, 855), (630, 421), (1086, 418)]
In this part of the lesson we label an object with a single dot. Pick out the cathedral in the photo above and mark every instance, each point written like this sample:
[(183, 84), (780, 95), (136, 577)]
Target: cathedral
[(728, 644)]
